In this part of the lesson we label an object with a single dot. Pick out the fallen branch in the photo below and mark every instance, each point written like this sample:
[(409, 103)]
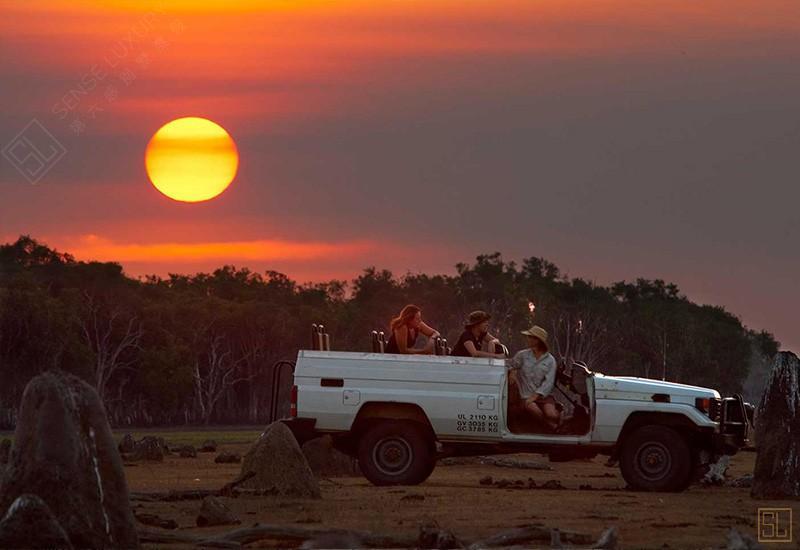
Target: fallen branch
[(292, 534), (522, 535), (228, 490), (192, 494), (283, 533), (170, 537), (248, 535)]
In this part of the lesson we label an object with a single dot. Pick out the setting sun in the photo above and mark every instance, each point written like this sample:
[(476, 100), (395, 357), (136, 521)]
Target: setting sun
[(191, 159)]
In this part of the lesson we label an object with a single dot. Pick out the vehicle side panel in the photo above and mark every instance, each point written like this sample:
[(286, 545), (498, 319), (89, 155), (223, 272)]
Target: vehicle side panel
[(462, 401), (611, 414)]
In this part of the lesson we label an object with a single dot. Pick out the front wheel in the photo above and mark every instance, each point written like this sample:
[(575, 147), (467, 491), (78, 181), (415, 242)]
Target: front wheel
[(396, 452), (656, 458)]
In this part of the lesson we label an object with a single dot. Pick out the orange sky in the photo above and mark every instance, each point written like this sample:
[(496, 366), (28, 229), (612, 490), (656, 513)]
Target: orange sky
[(618, 138)]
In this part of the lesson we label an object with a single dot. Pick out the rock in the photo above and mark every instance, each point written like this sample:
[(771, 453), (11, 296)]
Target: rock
[(127, 444), (486, 480), (744, 481), (609, 539), (777, 471), (156, 521), (5, 451), (208, 446), (227, 457), (433, 536), (326, 461), (214, 512), (149, 448), (333, 540), (716, 471), (164, 445), (552, 484), (29, 523), (741, 541), (279, 465), (65, 454), (187, 451), (555, 538)]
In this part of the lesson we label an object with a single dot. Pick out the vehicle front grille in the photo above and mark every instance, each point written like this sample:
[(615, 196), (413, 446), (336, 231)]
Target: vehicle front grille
[(715, 409)]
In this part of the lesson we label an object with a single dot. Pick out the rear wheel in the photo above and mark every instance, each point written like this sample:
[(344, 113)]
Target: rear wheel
[(656, 458), (396, 452)]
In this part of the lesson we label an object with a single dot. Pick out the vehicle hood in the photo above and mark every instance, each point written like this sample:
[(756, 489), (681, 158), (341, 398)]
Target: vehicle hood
[(633, 388)]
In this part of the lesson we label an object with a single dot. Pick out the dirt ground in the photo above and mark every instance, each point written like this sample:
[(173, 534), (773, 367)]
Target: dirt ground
[(453, 496)]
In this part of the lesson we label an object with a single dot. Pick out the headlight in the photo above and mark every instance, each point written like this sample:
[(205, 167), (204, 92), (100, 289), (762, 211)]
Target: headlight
[(710, 406)]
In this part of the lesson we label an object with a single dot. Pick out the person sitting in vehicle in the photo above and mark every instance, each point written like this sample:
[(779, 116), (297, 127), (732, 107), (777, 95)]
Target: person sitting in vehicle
[(405, 328), (532, 372), (476, 341)]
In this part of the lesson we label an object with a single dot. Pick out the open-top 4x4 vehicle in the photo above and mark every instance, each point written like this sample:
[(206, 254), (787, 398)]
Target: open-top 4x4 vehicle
[(399, 413)]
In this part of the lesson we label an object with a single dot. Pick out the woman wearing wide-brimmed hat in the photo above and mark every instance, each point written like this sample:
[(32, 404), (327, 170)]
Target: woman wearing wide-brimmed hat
[(476, 341), (533, 372)]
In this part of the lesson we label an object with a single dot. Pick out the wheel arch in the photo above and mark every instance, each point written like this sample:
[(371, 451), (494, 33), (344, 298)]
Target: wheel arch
[(372, 412), (679, 422)]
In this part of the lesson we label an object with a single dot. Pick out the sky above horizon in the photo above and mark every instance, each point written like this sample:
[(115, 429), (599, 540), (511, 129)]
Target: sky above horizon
[(616, 138)]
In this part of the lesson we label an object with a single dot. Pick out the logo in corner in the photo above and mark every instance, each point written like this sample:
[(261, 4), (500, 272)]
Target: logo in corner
[(774, 525), (34, 151)]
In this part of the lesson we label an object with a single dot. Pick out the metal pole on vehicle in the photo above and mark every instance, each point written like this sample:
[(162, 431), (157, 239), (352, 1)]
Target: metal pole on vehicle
[(320, 337)]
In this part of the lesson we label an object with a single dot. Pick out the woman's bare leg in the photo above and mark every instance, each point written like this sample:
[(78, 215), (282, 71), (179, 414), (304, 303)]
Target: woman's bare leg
[(551, 414), (532, 407)]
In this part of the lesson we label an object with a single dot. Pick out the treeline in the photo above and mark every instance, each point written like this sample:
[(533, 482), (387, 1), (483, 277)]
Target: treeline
[(199, 349)]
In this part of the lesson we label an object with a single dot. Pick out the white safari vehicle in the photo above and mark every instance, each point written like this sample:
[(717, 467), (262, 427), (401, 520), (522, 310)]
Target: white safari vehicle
[(398, 413)]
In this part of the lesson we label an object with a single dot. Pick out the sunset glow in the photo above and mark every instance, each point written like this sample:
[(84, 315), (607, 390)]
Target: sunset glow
[(191, 159), (616, 138), (99, 249)]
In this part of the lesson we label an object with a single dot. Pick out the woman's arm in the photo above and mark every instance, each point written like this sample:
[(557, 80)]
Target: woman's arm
[(428, 331), (546, 388), (515, 362), (470, 347), (401, 337)]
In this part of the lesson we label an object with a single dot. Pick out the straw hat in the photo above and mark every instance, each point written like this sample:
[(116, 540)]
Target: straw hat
[(537, 332), (475, 318)]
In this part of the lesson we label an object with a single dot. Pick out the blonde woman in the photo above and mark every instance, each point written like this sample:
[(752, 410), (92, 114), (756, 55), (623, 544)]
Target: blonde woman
[(405, 329)]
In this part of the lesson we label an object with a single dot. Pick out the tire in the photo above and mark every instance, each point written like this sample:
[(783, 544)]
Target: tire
[(656, 458), (395, 452)]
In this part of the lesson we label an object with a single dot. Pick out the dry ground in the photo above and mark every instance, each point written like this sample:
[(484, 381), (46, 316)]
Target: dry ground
[(697, 518)]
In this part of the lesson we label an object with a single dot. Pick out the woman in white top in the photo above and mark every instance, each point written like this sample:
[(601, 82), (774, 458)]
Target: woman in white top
[(533, 372)]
